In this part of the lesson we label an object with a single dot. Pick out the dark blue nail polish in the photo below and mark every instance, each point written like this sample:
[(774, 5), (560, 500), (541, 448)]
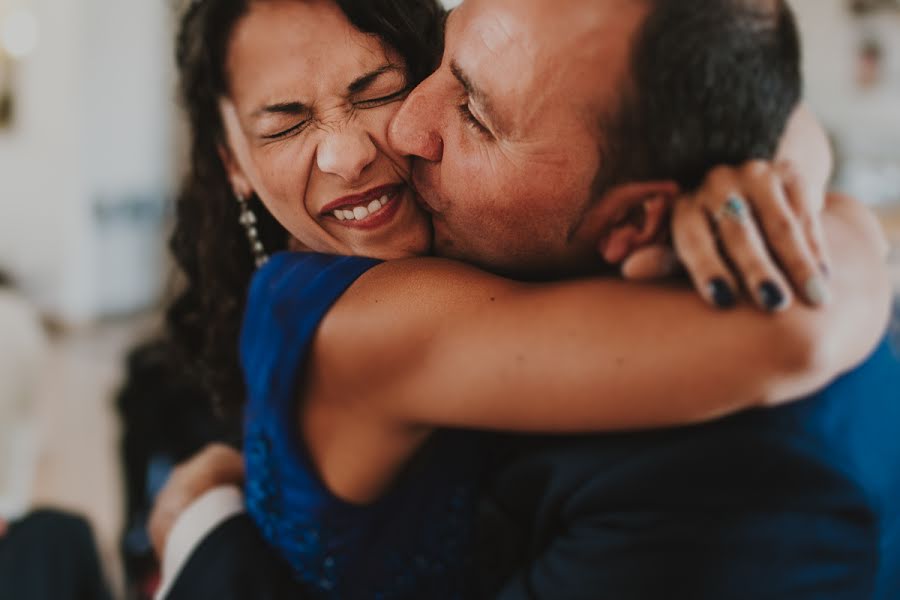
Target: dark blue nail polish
[(771, 297), (721, 293)]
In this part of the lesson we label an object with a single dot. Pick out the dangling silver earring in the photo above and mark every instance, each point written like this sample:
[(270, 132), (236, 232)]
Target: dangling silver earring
[(248, 220)]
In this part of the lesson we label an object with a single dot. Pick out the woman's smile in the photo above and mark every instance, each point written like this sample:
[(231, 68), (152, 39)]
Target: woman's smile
[(306, 119), (369, 210)]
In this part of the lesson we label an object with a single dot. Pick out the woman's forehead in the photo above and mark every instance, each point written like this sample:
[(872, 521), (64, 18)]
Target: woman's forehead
[(292, 47)]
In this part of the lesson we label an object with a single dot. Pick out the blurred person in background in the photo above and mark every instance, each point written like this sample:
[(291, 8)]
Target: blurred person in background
[(23, 348), (45, 554), (50, 555)]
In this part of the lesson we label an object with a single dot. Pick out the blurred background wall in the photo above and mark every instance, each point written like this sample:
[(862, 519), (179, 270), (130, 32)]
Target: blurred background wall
[(852, 70), (86, 153)]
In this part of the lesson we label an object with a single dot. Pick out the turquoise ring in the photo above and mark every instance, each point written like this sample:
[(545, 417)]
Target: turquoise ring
[(735, 209)]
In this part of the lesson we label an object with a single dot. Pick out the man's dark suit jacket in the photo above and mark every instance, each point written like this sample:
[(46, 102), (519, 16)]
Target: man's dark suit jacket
[(234, 563), (796, 503)]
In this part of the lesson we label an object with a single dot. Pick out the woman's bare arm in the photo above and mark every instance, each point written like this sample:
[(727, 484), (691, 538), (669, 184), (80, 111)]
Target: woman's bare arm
[(429, 343), (807, 147)]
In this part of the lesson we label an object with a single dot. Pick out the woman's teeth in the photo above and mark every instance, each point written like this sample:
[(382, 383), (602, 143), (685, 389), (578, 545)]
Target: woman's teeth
[(361, 212)]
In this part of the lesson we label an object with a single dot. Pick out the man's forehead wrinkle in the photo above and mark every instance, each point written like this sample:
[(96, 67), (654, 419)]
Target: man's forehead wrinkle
[(525, 53), (498, 37), (496, 33)]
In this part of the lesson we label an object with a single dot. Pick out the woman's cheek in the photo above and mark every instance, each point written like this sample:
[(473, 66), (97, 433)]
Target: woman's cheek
[(281, 188), (288, 174)]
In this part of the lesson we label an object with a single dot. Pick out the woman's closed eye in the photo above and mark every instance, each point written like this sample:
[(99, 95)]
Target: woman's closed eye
[(297, 128), (361, 104)]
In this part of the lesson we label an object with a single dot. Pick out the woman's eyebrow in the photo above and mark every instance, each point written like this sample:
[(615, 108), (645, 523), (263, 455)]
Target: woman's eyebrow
[(362, 83), (358, 85), (283, 108)]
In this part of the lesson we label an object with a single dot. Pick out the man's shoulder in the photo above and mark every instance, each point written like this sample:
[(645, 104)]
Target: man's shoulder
[(862, 406)]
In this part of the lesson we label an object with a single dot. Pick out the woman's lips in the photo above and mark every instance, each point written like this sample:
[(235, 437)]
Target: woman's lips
[(371, 214), (363, 199)]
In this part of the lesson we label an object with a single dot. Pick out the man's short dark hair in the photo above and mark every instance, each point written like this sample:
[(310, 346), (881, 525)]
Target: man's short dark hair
[(712, 82)]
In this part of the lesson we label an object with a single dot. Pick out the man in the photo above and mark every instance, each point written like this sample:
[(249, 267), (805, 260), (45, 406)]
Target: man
[(758, 506), (622, 97)]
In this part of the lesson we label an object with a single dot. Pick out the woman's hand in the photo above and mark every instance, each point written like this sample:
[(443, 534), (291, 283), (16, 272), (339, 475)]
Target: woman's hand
[(752, 227)]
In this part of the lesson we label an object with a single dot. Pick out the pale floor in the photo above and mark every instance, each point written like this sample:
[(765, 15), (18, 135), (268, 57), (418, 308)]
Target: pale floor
[(892, 226), (891, 221)]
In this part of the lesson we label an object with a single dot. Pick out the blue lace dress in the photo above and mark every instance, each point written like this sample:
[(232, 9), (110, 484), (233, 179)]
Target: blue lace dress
[(415, 541)]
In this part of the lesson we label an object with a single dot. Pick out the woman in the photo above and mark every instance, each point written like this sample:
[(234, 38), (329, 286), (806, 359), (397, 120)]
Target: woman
[(355, 470)]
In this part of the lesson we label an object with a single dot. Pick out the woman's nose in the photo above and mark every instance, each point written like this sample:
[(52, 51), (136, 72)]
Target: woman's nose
[(346, 153)]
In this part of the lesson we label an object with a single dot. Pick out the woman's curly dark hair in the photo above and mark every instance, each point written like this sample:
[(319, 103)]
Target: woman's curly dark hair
[(208, 243)]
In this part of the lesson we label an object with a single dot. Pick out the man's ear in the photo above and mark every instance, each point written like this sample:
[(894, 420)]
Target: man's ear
[(640, 218)]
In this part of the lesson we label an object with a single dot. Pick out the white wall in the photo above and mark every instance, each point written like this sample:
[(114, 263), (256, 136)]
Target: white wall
[(831, 43), (865, 123), (128, 135), (92, 125), (39, 162)]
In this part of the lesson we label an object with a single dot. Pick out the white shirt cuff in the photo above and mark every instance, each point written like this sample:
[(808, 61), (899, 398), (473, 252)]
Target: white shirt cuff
[(193, 526)]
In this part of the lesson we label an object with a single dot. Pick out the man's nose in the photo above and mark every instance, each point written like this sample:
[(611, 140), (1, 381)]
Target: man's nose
[(346, 153), (413, 131)]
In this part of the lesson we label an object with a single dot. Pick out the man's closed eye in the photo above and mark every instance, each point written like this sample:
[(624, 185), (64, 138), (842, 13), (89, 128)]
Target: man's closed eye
[(471, 120)]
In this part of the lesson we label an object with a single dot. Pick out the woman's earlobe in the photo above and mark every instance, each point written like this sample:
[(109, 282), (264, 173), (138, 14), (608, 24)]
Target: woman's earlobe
[(240, 187)]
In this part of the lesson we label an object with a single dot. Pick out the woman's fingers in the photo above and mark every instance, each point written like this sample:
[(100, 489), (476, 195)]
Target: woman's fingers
[(787, 238), (650, 263), (743, 243), (798, 196), (754, 224), (739, 237), (696, 245)]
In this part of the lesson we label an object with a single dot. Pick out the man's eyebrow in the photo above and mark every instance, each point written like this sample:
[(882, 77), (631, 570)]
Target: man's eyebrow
[(477, 94), (362, 83)]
